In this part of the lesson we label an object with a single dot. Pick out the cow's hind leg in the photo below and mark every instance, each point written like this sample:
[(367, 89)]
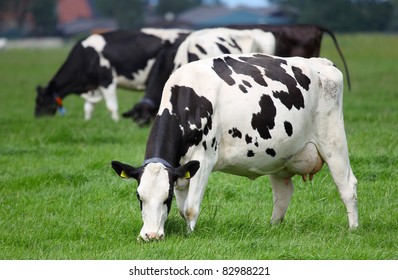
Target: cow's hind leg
[(346, 183), (334, 152), (282, 189)]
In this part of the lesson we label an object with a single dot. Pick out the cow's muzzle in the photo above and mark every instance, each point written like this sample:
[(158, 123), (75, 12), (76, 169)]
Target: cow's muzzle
[(150, 236)]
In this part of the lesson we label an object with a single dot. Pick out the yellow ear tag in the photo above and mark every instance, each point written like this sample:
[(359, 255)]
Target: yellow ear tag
[(123, 174), (187, 175)]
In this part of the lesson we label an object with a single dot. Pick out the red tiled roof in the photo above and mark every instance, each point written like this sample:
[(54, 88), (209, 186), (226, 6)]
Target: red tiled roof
[(71, 10)]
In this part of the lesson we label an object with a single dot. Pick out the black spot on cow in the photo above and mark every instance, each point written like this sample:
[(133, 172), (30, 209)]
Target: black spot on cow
[(243, 88), (246, 83), (264, 121), (235, 45), (220, 66), (190, 107), (271, 152), (247, 69), (204, 145), (199, 108), (288, 128), (248, 139), (274, 70), (235, 132), (213, 142), (250, 153), (223, 71), (202, 50), (223, 49), (301, 78), (124, 49), (98, 74), (256, 142), (166, 126), (192, 57)]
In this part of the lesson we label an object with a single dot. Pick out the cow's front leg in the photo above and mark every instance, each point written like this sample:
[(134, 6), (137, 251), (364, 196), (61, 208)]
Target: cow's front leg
[(91, 98), (181, 193), (197, 186), (282, 190)]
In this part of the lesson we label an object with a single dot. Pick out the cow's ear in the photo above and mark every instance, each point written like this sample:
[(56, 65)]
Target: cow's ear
[(125, 171), (187, 170)]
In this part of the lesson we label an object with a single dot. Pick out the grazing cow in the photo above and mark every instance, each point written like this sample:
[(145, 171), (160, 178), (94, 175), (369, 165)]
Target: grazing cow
[(249, 115), (200, 44), (99, 63), (290, 40)]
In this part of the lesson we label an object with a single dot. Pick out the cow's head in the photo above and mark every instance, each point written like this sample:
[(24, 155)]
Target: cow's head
[(46, 102), (155, 192)]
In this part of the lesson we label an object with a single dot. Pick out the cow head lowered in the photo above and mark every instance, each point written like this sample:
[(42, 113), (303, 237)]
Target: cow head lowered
[(156, 181), (46, 103)]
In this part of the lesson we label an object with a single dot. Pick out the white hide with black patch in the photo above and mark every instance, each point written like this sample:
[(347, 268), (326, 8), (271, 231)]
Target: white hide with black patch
[(138, 80), (249, 115), (213, 42)]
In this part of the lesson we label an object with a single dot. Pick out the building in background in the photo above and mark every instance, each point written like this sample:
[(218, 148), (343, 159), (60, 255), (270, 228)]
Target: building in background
[(81, 17), (68, 18)]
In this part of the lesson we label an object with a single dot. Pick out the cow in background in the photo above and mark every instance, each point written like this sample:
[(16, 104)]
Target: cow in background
[(290, 40), (200, 44), (100, 63)]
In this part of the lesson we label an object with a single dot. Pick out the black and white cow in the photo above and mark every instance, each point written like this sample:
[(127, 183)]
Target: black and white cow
[(249, 115), (99, 63), (290, 40), (197, 45)]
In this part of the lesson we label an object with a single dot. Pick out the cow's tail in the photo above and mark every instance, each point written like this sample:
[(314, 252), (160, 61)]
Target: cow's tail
[(340, 53)]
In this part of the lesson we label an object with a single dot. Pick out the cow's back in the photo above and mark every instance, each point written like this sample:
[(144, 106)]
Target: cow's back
[(253, 113), (212, 42), (132, 52)]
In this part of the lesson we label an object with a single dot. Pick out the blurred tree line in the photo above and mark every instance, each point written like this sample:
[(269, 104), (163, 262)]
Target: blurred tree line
[(338, 15), (128, 13), (346, 15), (42, 13)]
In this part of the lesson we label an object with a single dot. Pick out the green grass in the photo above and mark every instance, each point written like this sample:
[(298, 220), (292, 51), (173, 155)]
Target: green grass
[(60, 199)]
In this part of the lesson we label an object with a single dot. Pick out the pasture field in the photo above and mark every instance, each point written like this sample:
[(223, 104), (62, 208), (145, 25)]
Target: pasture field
[(60, 199)]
